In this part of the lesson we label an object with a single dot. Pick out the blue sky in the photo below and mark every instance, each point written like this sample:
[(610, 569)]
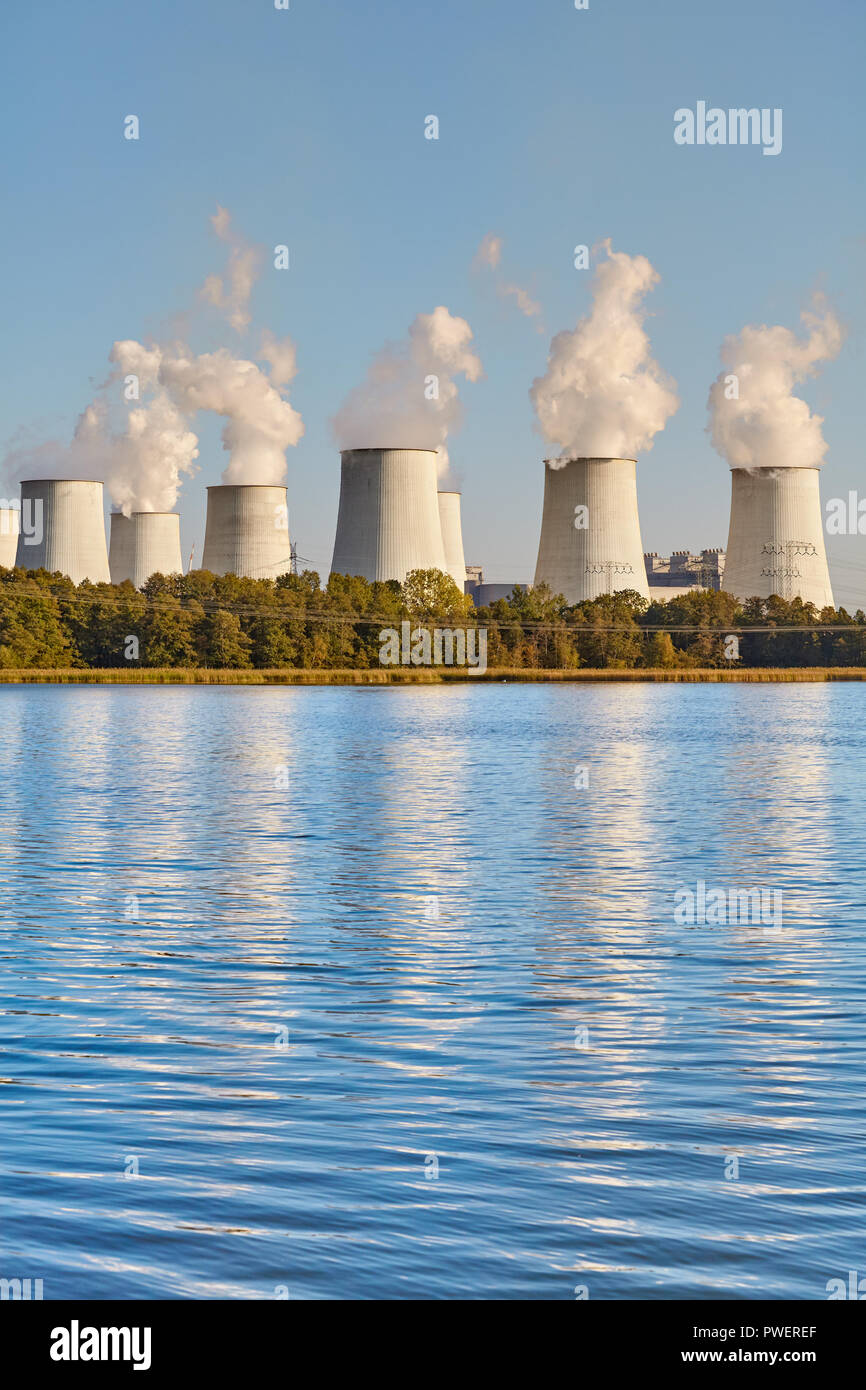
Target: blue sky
[(556, 128)]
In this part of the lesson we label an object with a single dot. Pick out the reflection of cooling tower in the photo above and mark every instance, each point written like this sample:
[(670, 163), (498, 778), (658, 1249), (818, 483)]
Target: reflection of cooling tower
[(247, 531), (10, 518), (121, 550), (452, 537), (67, 517), (388, 522), (156, 545), (776, 537), (590, 533)]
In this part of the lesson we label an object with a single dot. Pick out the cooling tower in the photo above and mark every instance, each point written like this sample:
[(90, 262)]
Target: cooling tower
[(247, 531), (388, 521), (65, 519), (10, 518), (156, 545), (452, 536), (590, 533), (776, 536), (121, 548)]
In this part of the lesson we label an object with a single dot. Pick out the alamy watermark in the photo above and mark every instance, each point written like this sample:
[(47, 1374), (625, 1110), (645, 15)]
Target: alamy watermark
[(20, 1290), (434, 646), (718, 907), (737, 126), (846, 516), (29, 518)]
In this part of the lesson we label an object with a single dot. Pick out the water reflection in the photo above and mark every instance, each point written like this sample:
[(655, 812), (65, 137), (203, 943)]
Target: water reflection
[(283, 946)]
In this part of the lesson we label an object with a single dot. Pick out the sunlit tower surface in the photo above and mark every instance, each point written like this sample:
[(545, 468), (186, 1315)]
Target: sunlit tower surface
[(776, 536)]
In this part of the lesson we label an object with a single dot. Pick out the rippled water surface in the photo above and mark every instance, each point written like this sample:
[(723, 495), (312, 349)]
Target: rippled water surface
[(380, 1004)]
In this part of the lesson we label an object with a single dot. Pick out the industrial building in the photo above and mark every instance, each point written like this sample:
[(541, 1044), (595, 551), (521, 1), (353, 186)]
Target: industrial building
[(590, 532), (71, 536), (247, 531), (776, 536), (482, 594), (684, 570), (388, 520)]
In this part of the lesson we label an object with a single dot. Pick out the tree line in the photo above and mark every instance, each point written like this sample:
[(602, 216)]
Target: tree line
[(204, 620)]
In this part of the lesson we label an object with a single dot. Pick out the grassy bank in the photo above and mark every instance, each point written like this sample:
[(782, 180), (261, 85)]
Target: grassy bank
[(413, 676)]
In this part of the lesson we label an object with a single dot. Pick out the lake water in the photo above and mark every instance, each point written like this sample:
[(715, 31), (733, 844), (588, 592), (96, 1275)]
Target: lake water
[(354, 993)]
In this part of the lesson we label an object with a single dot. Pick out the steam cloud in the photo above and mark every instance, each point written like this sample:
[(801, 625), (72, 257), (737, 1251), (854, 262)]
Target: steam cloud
[(410, 398), (755, 420), (232, 292), (260, 423), (603, 395), (488, 257), (144, 462)]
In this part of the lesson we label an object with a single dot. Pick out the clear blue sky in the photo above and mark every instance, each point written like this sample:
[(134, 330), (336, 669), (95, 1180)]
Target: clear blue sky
[(556, 129)]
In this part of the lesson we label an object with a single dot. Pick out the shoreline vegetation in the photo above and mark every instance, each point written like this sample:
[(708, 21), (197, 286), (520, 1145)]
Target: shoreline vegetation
[(204, 629), (406, 676)]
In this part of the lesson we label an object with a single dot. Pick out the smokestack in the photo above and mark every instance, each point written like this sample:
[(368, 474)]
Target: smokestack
[(388, 520), (590, 533), (452, 537), (156, 545), (247, 531), (776, 536), (67, 518), (121, 547), (10, 525)]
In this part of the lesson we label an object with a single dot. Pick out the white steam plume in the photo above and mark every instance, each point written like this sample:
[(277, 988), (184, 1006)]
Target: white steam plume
[(142, 465), (231, 292), (143, 462), (756, 421), (410, 398), (260, 423), (489, 253), (603, 395), (488, 257)]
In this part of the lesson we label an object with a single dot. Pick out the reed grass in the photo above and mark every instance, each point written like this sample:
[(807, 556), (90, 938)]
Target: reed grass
[(411, 676)]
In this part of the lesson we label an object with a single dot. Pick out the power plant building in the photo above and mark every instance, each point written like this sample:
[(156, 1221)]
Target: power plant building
[(683, 569), (388, 520), (247, 531), (68, 529), (776, 537), (590, 532)]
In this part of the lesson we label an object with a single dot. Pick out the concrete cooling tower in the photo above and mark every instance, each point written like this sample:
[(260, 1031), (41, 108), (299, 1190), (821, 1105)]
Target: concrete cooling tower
[(247, 531), (388, 520), (452, 537), (590, 533), (10, 518), (66, 520), (120, 547), (776, 536), (155, 545)]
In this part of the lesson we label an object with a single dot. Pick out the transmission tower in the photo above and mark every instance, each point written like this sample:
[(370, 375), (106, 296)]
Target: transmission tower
[(609, 568), (788, 570)]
